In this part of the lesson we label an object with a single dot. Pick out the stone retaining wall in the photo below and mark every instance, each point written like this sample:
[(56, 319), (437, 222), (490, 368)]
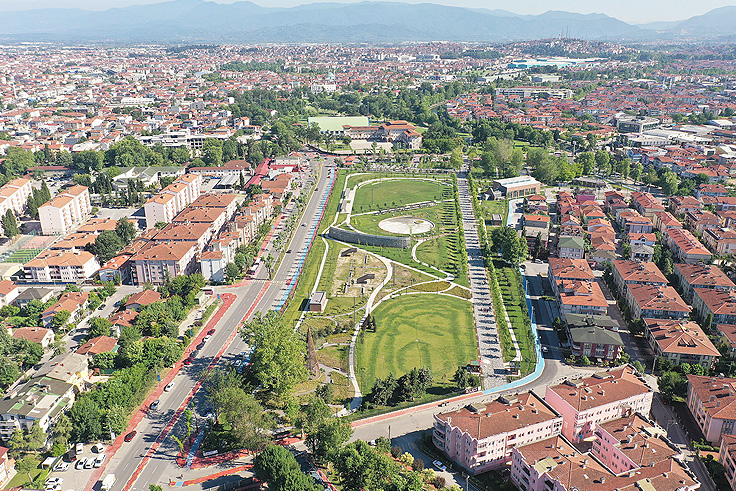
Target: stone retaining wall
[(368, 239)]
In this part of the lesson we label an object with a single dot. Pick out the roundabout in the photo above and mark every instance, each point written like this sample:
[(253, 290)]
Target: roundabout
[(406, 225)]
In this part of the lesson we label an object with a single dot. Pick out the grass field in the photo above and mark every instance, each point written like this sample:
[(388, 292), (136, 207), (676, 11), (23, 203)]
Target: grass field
[(387, 194), (417, 330), (510, 285), (435, 214), (489, 208)]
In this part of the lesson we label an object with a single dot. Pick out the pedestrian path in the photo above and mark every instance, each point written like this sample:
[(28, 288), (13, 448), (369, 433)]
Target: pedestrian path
[(492, 365)]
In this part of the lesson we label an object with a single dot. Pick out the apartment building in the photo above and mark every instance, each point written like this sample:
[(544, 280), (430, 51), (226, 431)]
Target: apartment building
[(691, 276), (680, 341), (720, 240), (632, 442), (721, 304), (712, 402), (646, 204), (570, 247), (481, 437), (581, 297), (569, 269), (61, 267), (636, 273), (585, 403), (41, 399), (172, 199), (727, 457), (73, 302), (656, 302), (664, 220), (156, 260), (64, 211), (685, 247), (14, 196)]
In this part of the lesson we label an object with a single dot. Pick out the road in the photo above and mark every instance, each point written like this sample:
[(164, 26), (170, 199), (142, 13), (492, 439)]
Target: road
[(259, 294)]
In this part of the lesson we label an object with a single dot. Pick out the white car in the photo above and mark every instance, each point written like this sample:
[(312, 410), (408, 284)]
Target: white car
[(439, 465), (169, 386), (80, 463), (99, 460), (98, 447), (54, 480), (62, 466), (545, 349)]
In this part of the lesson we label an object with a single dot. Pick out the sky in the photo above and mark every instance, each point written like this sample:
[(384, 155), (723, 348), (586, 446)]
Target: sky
[(633, 11)]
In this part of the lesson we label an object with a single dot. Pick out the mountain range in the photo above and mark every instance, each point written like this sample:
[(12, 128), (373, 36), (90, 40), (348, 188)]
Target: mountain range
[(186, 21)]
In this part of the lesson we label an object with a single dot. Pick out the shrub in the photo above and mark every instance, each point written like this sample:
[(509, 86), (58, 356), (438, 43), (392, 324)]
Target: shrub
[(439, 482), (395, 452), (417, 465), (406, 458)]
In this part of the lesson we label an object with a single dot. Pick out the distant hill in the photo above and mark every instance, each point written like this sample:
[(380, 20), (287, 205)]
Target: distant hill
[(718, 22), (201, 21)]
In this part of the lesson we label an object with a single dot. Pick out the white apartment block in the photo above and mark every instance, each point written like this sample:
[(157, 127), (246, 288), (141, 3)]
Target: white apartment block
[(68, 208), (172, 199), (14, 196), (61, 266)]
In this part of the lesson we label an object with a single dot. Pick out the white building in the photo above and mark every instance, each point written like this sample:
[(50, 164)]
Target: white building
[(172, 199), (68, 208)]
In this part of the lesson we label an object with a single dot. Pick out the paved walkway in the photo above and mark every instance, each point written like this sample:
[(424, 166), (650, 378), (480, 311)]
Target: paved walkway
[(494, 371)]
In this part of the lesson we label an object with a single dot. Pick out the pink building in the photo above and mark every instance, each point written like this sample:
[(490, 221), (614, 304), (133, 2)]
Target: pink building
[(481, 437), (712, 402), (585, 403)]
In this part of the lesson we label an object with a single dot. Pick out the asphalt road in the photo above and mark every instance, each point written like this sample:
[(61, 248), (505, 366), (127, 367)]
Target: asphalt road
[(162, 467)]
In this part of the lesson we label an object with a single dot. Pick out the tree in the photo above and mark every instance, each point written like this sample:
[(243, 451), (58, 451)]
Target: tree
[(160, 225), (32, 207), (325, 434), (85, 417), (125, 229), (61, 318), (156, 487), (212, 152), (669, 183), (26, 465), (88, 161), (625, 167), (488, 163), (99, 326), (326, 392), (10, 224), (586, 161), (232, 271), (507, 241), (602, 160), (106, 246), (671, 384), (278, 467), (278, 356), (637, 171)]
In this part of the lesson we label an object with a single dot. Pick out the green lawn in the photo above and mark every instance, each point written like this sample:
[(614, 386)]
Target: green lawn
[(510, 285), (417, 330), (435, 214), (489, 208), (388, 194)]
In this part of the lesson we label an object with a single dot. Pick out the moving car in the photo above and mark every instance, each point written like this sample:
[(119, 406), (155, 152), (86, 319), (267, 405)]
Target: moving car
[(154, 405), (210, 332), (169, 386), (130, 436)]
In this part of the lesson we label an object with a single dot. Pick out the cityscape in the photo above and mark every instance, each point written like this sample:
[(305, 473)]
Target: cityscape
[(374, 246)]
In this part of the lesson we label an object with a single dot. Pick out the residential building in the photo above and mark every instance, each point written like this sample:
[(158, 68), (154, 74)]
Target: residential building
[(721, 304), (172, 199), (235, 168), (727, 458), (595, 342), (632, 442), (61, 267), (685, 247), (682, 204), (14, 196), (43, 295), (585, 403), (212, 264), (555, 464), (156, 260), (67, 209), (664, 220), (580, 297), (680, 341), (568, 269), (481, 437), (97, 345), (636, 273), (38, 335), (141, 299), (74, 302), (570, 247), (691, 276), (646, 204), (41, 399), (9, 291), (712, 402), (656, 302), (720, 240), (533, 92)]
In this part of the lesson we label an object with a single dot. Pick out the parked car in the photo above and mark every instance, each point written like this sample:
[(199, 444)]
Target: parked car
[(62, 466), (80, 463), (207, 338), (439, 465), (79, 448), (130, 436), (98, 447), (189, 360), (89, 463), (210, 332), (99, 460)]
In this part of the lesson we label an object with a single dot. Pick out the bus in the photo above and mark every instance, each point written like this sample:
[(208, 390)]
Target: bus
[(254, 268)]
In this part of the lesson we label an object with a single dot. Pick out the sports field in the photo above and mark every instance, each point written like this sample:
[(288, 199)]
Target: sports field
[(391, 193), (414, 331)]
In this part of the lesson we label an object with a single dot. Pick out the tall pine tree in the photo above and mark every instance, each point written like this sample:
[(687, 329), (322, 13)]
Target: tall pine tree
[(10, 225)]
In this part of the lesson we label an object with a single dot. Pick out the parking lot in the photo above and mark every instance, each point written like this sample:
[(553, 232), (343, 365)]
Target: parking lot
[(77, 478)]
